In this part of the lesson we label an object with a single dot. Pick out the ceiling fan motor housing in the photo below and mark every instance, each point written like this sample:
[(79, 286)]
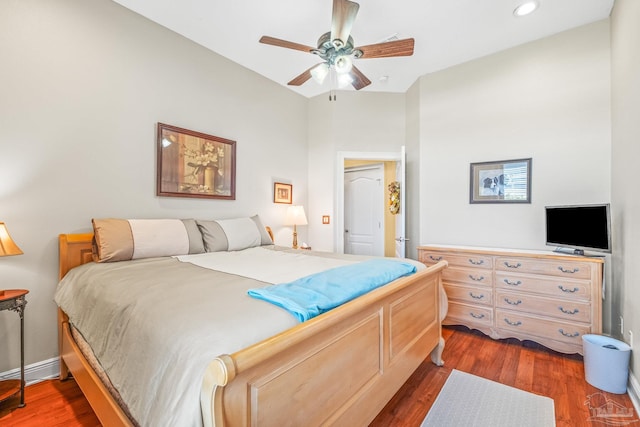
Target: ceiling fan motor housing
[(331, 50)]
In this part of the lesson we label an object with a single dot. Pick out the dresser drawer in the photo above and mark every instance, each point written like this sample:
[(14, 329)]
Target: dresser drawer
[(576, 311), (557, 330), (461, 260), (574, 289), (565, 269), (469, 294), (471, 276), (468, 315)]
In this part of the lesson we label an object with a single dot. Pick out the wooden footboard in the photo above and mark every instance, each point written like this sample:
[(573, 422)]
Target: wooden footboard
[(339, 368)]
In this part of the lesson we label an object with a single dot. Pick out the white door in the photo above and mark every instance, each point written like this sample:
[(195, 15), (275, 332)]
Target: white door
[(364, 210), (401, 174)]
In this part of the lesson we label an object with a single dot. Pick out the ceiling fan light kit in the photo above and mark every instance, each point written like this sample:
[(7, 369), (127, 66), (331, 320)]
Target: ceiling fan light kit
[(337, 50), (319, 72)]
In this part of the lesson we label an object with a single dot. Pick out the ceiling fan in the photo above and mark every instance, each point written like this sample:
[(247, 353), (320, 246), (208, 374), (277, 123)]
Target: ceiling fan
[(337, 50)]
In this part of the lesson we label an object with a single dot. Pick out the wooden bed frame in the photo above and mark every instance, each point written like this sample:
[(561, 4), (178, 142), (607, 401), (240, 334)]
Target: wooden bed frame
[(339, 368)]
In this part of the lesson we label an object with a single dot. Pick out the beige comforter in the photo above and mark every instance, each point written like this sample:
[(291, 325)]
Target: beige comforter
[(155, 324)]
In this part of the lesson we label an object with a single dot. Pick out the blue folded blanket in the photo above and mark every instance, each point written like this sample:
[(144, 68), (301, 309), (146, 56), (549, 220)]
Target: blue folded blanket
[(313, 295)]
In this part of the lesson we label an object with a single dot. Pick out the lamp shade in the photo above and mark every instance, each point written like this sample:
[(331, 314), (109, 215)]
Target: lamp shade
[(295, 216), (7, 245)]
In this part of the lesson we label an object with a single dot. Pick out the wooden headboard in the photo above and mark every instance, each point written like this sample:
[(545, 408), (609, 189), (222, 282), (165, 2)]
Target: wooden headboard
[(75, 250)]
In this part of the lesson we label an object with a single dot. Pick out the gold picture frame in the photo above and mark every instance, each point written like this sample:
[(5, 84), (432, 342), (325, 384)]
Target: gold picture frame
[(282, 193), (194, 164)]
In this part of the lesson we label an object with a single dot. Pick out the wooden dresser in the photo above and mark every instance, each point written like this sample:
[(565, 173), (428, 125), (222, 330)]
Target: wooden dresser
[(549, 298)]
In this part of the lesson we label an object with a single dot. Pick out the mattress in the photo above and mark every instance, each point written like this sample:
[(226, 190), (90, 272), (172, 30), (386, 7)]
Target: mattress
[(155, 324)]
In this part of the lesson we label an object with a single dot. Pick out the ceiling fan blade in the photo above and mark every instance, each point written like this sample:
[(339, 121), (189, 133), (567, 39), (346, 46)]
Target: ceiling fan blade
[(402, 47), (344, 14), (302, 78), (284, 43), (359, 79)]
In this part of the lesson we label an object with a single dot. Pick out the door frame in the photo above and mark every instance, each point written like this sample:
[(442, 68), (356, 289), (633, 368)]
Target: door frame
[(339, 202)]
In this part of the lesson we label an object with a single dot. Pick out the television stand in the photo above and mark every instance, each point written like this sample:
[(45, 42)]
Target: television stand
[(569, 251)]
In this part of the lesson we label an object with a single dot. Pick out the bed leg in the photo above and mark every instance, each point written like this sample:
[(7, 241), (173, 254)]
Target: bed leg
[(436, 353), (62, 323), (64, 370)]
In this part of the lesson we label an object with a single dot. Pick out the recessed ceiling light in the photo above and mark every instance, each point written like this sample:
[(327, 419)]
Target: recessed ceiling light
[(525, 8)]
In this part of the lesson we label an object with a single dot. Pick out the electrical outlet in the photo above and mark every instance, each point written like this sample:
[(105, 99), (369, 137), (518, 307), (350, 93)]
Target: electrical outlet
[(631, 339), (621, 326)]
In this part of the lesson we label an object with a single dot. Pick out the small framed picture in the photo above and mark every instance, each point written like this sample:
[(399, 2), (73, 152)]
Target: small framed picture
[(282, 193), (503, 181)]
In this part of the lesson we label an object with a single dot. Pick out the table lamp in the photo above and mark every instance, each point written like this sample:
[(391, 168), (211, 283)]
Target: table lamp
[(7, 245), (295, 216)]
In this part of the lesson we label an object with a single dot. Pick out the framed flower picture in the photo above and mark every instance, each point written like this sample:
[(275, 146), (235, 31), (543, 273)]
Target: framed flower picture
[(194, 164)]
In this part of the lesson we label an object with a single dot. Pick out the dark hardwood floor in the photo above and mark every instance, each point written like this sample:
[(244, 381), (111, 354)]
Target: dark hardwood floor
[(525, 366)]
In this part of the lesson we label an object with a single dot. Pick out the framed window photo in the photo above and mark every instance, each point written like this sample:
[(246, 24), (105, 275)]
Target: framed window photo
[(282, 193), (504, 181), (194, 164)]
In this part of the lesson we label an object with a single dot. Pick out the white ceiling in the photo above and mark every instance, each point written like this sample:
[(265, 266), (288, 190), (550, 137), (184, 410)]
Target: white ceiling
[(446, 32)]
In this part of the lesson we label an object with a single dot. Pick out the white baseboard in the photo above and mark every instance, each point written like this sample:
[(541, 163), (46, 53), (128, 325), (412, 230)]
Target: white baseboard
[(634, 391), (36, 372)]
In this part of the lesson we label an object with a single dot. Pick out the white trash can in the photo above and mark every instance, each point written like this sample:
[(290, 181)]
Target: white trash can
[(606, 363)]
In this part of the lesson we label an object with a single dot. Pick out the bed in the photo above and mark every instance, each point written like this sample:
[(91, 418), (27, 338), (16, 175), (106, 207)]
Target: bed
[(339, 368)]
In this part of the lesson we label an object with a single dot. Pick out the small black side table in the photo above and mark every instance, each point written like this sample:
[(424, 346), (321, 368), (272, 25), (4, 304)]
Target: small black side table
[(14, 299)]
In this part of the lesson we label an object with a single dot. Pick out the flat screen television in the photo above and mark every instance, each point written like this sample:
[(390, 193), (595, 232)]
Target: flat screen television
[(578, 228)]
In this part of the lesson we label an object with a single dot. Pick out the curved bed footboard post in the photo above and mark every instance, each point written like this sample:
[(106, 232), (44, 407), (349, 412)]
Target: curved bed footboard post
[(219, 373), (436, 354)]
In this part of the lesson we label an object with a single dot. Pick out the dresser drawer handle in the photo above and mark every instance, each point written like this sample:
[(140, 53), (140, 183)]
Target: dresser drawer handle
[(435, 258), (566, 270), (518, 265), (477, 279), (476, 316), (476, 262), (508, 301), (567, 334), (476, 296), (516, 323), (516, 283), (572, 312), (563, 289)]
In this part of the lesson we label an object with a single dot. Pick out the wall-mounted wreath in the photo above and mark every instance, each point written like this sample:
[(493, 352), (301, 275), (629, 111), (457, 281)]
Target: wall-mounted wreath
[(394, 197)]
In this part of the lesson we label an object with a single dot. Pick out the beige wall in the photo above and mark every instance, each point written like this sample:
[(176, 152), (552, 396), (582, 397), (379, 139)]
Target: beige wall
[(84, 83), (355, 122), (548, 100), (625, 198)]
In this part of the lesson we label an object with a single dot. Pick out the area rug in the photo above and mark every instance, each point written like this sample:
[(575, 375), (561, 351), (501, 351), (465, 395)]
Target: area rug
[(468, 400)]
